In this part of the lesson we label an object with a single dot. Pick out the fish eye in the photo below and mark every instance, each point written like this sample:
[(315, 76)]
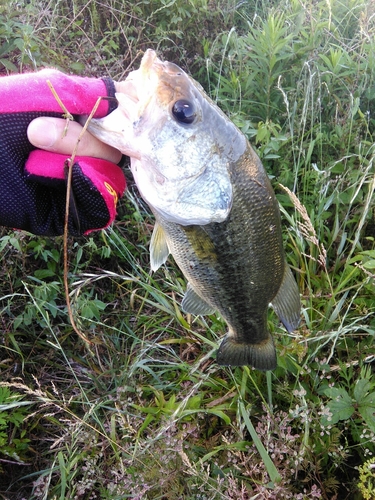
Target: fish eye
[(184, 111)]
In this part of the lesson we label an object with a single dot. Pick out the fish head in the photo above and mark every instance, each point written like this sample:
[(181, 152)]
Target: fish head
[(180, 143)]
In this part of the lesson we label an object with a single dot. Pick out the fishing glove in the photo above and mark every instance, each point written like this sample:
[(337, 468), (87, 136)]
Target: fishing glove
[(33, 181)]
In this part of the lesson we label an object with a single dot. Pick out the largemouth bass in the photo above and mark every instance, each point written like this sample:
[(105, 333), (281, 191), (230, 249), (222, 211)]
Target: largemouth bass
[(214, 206)]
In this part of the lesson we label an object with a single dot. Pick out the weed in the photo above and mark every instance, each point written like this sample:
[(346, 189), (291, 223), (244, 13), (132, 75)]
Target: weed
[(13, 440), (366, 478)]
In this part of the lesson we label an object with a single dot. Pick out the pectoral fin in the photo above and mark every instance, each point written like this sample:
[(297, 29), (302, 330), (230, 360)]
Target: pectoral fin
[(159, 250), (194, 304), (287, 304)]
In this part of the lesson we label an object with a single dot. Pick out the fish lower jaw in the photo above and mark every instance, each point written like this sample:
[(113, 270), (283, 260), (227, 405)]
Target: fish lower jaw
[(261, 356)]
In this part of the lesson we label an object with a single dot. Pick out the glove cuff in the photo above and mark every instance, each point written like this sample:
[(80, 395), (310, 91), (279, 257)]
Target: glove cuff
[(111, 91)]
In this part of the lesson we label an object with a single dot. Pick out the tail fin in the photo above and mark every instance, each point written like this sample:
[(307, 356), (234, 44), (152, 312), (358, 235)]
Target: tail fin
[(261, 356)]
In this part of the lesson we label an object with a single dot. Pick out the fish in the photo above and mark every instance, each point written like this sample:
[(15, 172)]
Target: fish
[(215, 209)]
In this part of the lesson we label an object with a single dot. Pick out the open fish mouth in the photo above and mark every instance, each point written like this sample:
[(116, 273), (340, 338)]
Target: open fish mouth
[(155, 78), (181, 172), (148, 61)]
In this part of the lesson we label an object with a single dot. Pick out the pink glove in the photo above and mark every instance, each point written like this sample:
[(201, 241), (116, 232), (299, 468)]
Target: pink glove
[(32, 181)]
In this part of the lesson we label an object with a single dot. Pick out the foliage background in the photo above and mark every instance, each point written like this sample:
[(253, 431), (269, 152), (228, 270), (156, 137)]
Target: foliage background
[(143, 411)]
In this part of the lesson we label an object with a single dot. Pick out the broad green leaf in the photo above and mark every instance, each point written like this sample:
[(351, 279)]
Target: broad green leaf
[(337, 393), (194, 402), (369, 253), (367, 410), (8, 65), (369, 400), (361, 388), (271, 156), (44, 273), (221, 415), (340, 408), (368, 415), (77, 66)]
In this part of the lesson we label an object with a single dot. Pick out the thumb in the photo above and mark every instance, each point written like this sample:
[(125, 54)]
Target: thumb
[(59, 136)]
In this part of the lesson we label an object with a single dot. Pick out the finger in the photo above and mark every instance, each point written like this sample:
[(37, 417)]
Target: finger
[(48, 133)]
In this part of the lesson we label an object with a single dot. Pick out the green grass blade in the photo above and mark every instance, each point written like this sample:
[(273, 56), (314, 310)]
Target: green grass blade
[(271, 469)]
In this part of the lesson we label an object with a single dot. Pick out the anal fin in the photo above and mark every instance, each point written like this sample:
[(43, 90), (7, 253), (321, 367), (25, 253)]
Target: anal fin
[(194, 304), (287, 303)]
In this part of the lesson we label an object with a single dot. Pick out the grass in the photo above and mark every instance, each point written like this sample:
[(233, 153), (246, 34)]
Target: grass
[(142, 410)]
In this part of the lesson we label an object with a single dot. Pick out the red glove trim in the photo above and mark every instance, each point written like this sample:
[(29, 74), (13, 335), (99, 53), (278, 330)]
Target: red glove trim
[(30, 92)]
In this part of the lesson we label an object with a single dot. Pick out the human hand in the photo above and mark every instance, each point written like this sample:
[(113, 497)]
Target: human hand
[(55, 135), (32, 181)]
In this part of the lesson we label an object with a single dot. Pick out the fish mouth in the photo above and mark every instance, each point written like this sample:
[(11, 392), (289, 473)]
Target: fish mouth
[(143, 82), (153, 78), (165, 82), (134, 93), (197, 195), (148, 60), (151, 63)]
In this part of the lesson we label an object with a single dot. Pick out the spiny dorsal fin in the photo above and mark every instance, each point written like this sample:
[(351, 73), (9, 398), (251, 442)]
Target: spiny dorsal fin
[(287, 303), (159, 250), (194, 304)]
